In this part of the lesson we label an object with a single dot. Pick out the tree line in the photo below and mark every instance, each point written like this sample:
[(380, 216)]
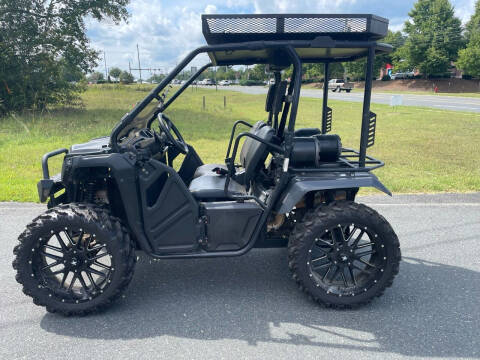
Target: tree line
[(45, 54)]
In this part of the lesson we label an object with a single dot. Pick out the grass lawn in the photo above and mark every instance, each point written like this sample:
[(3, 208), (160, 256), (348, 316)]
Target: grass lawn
[(425, 150)]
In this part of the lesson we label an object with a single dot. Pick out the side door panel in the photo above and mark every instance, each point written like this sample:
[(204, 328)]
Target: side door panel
[(170, 213)]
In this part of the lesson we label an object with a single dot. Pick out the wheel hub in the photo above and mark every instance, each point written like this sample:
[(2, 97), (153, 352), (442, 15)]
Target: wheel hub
[(343, 257), (75, 260)]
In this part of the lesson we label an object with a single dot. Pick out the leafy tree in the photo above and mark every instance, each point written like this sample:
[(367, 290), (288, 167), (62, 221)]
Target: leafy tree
[(115, 72), (473, 26), (71, 74), (316, 71), (355, 70), (96, 77), (469, 58), (42, 44), (154, 78), (313, 71), (126, 77), (258, 72), (434, 37)]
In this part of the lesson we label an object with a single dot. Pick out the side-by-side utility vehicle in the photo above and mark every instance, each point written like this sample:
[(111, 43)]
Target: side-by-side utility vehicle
[(289, 186)]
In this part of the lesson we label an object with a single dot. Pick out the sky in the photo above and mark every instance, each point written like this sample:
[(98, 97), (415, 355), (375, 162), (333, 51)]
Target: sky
[(166, 30)]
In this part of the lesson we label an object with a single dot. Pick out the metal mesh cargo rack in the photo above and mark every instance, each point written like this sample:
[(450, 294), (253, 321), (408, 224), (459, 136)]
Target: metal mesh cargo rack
[(219, 29), (348, 162)]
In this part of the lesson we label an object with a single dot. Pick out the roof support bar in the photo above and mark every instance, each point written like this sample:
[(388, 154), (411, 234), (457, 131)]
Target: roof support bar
[(325, 98), (297, 83), (366, 105), (278, 79)]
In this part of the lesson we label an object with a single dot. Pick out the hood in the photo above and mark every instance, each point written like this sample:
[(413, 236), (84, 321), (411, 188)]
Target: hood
[(96, 145)]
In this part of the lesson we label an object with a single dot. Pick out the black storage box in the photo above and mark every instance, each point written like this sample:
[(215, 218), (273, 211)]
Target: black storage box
[(230, 224)]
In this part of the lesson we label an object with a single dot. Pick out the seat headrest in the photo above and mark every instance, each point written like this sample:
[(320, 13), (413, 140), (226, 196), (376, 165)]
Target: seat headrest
[(253, 130), (255, 153)]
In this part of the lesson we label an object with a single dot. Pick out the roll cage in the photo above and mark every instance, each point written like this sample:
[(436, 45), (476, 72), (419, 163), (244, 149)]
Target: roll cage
[(321, 39)]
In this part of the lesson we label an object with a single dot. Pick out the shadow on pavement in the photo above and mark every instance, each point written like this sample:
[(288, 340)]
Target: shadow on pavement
[(431, 310)]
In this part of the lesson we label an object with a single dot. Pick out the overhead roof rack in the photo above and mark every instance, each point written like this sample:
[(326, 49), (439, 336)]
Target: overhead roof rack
[(234, 28)]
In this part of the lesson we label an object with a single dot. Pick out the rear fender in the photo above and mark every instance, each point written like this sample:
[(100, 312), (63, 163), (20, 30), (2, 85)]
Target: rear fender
[(301, 185)]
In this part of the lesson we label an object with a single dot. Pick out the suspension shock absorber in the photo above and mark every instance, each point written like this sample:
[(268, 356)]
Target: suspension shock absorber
[(89, 192)]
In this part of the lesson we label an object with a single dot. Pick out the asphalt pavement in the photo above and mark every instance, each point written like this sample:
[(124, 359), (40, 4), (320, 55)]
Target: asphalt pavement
[(453, 103), (248, 307)]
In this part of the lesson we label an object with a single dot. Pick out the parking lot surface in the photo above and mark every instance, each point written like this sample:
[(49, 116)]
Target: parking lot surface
[(248, 307)]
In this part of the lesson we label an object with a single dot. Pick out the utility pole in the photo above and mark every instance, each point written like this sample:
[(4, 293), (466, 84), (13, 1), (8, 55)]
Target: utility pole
[(129, 67), (105, 61), (139, 67)]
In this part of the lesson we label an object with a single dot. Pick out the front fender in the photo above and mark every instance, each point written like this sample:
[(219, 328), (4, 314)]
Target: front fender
[(301, 185), (123, 171)]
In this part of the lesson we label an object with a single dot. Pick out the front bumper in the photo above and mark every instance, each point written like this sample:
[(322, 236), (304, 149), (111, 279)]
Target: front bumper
[(48, 186)]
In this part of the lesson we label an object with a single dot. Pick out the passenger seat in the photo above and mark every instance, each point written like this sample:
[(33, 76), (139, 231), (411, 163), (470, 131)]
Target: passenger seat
[(207, 169)]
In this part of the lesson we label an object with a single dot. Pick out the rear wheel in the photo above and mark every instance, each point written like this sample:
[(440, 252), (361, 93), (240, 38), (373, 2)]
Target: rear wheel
[(344, 254), (74, 259)]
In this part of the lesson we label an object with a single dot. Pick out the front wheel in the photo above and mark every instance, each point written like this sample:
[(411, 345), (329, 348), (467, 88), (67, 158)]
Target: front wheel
[(343, 254), (74, 259)]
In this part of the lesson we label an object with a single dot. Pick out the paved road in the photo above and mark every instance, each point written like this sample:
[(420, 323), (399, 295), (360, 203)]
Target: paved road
[(248, 307), (452, 103)]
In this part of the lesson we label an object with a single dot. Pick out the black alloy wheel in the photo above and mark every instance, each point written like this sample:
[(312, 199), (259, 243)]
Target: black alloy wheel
[(74, 259)]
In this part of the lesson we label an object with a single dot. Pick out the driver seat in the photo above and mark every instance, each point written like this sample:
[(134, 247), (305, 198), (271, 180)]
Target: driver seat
[(208, 169), (211, 187)]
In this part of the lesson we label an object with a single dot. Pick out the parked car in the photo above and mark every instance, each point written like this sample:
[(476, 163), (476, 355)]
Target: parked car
[(339, 85), (225, 82), (403, 75), (207, 82)]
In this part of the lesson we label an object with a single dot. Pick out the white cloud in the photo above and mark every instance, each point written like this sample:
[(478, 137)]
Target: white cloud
[(210, 9)]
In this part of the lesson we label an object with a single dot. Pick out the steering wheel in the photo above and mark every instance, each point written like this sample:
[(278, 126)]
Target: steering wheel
[(167, 128)]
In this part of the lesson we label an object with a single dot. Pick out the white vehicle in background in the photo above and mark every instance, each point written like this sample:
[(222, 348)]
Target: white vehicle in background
[(225, 82), (339, 85), (402, 75), (207, 82)]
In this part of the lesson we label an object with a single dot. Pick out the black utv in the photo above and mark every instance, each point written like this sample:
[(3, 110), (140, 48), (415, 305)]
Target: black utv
[(289, 187)]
